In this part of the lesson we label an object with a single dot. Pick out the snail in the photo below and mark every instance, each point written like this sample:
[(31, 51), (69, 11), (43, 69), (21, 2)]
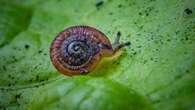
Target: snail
[(78, 49)]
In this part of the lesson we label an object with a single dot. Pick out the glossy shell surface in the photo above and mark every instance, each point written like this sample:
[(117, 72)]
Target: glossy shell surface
[(77, 50)]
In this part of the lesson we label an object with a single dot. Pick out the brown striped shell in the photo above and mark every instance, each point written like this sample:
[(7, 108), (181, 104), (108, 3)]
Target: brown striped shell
[(78, 50)]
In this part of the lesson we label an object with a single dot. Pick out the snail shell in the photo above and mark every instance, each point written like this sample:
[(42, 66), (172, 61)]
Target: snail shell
[(78, 50)]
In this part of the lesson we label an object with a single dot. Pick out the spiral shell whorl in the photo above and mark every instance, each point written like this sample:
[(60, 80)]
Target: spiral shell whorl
[(76, 49)]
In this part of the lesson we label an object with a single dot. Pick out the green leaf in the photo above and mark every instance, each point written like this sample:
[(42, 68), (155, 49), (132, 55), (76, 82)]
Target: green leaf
[(156, 72), (86, 93)]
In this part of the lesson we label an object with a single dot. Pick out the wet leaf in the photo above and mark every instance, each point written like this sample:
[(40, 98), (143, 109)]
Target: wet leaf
[(156, 71)]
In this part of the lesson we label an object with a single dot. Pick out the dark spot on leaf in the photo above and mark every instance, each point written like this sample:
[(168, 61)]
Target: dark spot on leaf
[(27, 46), (99, 4), (147, 14), (120, 5), (23, 71), (14, 48), (4, 108), (30, 80), (17, 96), (9, 76), (188, 11), (40, 51), (116, 62), (187, 71), (37, 78), (141, 27), (178, 77), (4, 68), (156, 101), (148, 10), (139, 46), (134, 53), (140, 13), (185, 52), (177, 32), (110, 13), (186, 38), (2, 89), (36, 67), (168, 40), (14, 58)]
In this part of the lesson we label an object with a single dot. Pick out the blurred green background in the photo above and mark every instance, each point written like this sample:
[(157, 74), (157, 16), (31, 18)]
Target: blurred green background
[(157, 72)]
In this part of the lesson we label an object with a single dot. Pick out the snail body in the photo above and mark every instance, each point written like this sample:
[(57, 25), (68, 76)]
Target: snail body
[(78, 49)]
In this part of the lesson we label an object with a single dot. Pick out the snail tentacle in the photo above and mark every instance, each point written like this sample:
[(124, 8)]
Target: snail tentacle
[(117, 45)]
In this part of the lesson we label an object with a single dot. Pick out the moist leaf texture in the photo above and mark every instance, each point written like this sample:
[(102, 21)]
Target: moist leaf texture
[(156, 72)]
